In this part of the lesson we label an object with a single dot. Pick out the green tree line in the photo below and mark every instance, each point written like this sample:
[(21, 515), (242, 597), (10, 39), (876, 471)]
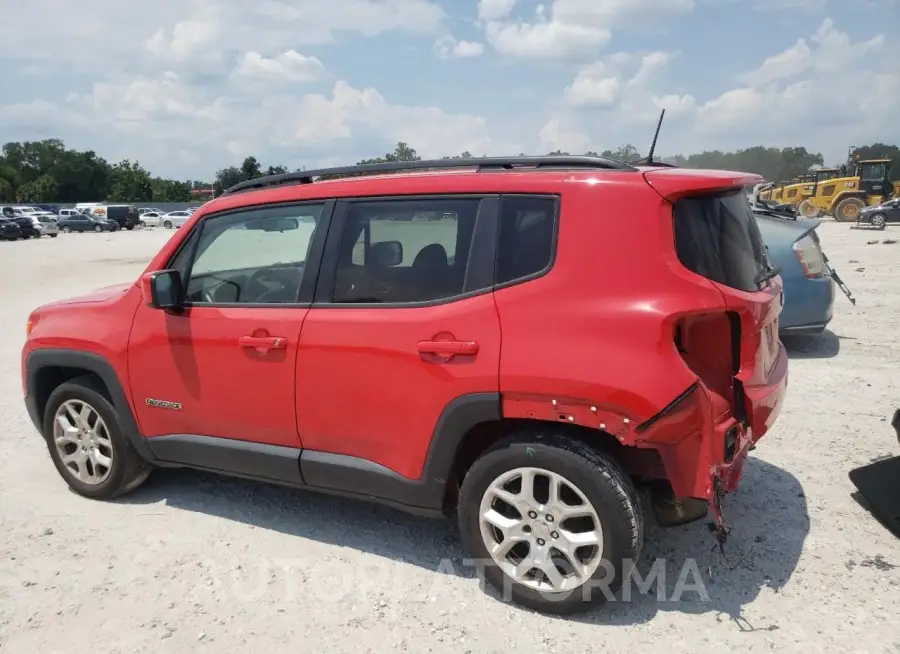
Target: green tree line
[(46, 171)]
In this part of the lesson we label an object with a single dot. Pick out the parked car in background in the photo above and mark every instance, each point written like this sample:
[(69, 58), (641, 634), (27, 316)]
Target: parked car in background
[(27, 226), (175, 219), (794, 247), (126, 215), (85, 223), (66, 213), (143, 210), (151, 218), (880, 215), (9, 230), (49, 208), (48, 225)]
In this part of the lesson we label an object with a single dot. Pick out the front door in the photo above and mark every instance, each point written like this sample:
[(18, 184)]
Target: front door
[(404, 323), (225, 367)]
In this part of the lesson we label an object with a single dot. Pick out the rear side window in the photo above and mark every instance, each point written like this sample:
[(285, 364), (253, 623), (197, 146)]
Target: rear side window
[(398, 251), (527, 231), (717, 236)]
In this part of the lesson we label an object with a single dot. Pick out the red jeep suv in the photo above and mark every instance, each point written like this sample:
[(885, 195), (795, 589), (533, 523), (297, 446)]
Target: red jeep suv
[(524, 341)]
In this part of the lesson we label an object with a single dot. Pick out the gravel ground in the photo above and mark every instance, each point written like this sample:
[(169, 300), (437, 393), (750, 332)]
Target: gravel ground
[(193, 560)]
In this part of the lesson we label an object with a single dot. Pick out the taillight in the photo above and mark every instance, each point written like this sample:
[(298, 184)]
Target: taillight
[(810, 256)]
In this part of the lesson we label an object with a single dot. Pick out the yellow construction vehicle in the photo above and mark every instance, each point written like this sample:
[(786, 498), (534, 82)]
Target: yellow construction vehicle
[(844, 195)]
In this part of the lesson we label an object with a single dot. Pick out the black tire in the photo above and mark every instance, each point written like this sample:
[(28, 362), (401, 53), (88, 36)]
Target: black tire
[(602, 481), (128, 469), (167, 224), (98, 228), (878, 220), (129, 227), (847, 210), (53, 235)]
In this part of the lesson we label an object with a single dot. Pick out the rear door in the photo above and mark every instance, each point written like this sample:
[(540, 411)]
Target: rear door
[(404, 323)]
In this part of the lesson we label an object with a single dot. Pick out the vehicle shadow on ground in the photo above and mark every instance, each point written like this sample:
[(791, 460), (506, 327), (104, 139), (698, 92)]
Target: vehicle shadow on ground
[(769, 515), (821, 346)]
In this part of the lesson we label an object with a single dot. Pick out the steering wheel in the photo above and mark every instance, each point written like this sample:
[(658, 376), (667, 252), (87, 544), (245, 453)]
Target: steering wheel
[(261, 282)]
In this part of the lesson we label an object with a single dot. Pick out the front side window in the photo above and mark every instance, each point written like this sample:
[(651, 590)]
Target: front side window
[(251, 257), (405, 251)]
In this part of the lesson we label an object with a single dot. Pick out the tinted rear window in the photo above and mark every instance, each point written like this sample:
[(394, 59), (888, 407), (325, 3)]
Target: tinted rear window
[(717, 236)]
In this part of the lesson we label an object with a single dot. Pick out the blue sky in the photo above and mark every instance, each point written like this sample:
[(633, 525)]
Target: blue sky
[(190, 86)]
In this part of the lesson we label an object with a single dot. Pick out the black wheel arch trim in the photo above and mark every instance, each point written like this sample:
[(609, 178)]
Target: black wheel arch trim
[(36, 397), (332, 473)]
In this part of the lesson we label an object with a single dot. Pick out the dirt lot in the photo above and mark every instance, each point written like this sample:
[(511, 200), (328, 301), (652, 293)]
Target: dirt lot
[(196, 561)]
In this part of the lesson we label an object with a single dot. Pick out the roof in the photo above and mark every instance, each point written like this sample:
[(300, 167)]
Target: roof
[(486, 175)]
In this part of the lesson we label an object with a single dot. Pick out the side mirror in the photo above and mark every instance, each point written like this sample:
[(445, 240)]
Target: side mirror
[(163, 289), (386, 254)]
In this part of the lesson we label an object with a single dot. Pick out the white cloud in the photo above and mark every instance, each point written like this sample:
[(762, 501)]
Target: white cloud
[(571, 27), (556, 136), (545, 38), (489, 10), (79, 34), (779, 5), (448, 47), (288, 67), (794, 90), (592, 86), (221, 128), (832, 51)]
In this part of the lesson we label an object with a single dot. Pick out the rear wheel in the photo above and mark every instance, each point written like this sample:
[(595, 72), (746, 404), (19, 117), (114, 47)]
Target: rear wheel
[(98, 228), (66, 230), (87, 445), (53, 235), (848, 209), (168, 224), (556, 524)]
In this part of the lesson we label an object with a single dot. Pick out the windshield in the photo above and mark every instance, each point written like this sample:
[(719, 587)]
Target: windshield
[(873, 172), (717, 236)]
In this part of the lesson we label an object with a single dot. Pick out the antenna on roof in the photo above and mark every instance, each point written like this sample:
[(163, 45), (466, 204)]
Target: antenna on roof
[(655, 137), (648, 160)]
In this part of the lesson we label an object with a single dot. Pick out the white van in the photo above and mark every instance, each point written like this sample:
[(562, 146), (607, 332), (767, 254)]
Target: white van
[(87, 207)]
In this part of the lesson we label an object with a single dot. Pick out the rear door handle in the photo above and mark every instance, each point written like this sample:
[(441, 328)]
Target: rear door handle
[(263, 343), (448, 348)]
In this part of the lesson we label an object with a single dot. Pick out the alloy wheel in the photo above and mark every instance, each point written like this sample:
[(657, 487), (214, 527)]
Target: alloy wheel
[(82, 441), (541, 530)]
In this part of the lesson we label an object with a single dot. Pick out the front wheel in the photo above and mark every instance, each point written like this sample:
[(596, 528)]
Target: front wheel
[(98, 228), (168, 224), (53, 235), (87, 445), (66, 230), (848, 209), (808, 210), (879, 220), (556, 524)]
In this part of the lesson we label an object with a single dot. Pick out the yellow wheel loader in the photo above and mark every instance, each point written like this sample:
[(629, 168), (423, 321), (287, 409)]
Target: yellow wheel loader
[(845, 196)]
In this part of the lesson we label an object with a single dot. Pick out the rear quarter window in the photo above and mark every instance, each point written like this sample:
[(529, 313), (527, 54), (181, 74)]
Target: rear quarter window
[(717, 237)]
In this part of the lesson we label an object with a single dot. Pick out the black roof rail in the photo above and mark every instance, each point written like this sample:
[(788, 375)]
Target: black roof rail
[(480, 164)]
